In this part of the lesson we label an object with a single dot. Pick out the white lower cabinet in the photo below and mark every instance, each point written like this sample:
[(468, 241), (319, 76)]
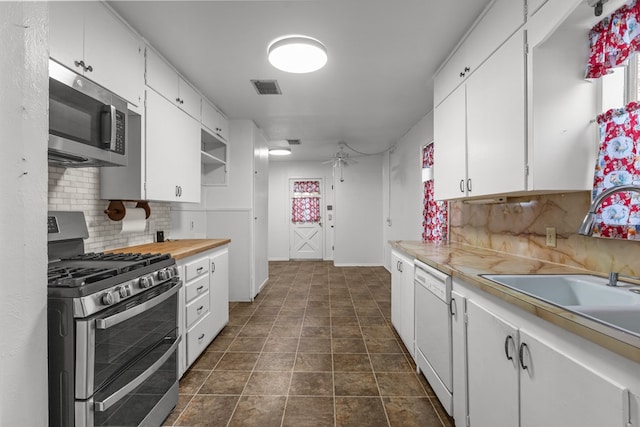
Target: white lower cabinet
[(402, 299), (523, 371), (557, 390), (459, 357), (492, 368), (219, 289), (205, 305)]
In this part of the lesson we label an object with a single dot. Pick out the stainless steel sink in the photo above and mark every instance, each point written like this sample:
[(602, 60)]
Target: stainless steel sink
[(617, 306)]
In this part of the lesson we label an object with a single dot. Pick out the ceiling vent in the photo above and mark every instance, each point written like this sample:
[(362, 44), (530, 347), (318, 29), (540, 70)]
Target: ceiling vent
[(293, 141), (266, 87)]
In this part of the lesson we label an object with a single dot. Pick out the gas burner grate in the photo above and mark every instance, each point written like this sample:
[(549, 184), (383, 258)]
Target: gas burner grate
[(78, 276)]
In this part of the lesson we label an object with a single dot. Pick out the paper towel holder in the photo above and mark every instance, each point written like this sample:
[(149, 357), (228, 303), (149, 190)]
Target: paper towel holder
[(116, 210)]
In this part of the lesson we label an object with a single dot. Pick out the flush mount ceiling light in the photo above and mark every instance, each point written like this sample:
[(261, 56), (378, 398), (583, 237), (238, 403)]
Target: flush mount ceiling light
[(280, 151), (297, 54)]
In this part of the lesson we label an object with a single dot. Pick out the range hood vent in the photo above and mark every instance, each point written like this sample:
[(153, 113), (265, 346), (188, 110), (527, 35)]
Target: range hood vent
[(293, 141), (266, 87)]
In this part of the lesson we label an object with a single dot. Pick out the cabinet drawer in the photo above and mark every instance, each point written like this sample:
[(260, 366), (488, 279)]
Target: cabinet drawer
[(197, 288), (196, 268), (197, 309), (198, 338)]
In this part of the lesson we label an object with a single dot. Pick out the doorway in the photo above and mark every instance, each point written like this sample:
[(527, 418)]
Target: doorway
[(305, 229)]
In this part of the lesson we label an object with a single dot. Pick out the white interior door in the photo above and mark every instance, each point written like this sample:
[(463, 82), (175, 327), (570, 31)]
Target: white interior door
[(305, 232)]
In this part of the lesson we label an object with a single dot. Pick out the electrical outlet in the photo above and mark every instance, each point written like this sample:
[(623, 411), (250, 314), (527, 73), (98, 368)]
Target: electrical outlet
[(551, 237)]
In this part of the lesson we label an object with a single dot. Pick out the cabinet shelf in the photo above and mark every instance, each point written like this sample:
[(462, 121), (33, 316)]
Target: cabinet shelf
[(213, 156), (209, 159)]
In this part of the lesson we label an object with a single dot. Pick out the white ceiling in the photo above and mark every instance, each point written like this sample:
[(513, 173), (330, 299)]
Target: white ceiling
[(376, 85)]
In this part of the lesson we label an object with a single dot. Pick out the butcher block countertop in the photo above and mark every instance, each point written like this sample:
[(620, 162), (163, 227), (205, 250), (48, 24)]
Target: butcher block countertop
[(467, 263), (178, 249)]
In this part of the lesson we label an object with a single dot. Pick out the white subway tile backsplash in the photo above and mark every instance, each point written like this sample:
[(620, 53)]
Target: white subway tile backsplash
[(78, 190)]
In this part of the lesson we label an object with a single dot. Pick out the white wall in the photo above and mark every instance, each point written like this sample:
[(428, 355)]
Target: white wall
[(23, 182), (358, 211), (358, 207), (403, 192)]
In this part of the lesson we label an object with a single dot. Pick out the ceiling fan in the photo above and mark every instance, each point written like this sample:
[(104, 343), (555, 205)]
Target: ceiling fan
[(340, 159)]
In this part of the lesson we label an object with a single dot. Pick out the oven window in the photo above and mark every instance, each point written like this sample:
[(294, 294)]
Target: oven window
[(134, 407), (122, 343)]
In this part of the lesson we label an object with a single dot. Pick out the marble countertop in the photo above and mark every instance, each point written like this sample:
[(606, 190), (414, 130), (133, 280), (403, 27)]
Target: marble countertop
[(178, 249), (468, 263)]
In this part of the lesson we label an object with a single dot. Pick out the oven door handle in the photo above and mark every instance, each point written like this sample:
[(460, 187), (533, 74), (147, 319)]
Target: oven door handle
[(110, 321), (107, 403)]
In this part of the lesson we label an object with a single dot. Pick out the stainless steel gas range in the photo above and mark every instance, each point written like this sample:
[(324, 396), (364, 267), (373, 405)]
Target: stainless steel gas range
[(112, 332)]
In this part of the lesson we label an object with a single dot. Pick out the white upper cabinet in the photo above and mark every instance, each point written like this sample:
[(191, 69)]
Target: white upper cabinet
[(480, 129), (213, 120), (534, 5), (498, 23), (167, 82), (89, 39), (496, 130), (172, 152)]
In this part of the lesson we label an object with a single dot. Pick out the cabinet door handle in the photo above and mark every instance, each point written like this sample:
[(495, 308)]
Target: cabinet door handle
[(466, 69), (506, 347), (401, 263), (469, 185), (213, 267), (79, 64), (453, 304), (462, 185), (89, 68), (461, 74), (521, 355)]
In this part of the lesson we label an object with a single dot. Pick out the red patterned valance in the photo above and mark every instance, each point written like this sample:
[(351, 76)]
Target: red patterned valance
[(306, 187), (618, 164), (614, 39)]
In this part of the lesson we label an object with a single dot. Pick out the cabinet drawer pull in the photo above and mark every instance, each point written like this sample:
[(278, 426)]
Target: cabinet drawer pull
[(521, 355), (200, 338), (506, 347), (199, 309), (199, 289), (199, 270)]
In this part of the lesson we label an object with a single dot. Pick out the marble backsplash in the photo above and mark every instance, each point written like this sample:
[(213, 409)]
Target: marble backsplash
[(518, 227)]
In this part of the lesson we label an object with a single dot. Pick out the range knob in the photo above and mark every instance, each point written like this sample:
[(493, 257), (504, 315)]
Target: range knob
[(163, 275), (145, 282), (124, 291), (110, 298), (174, 269)]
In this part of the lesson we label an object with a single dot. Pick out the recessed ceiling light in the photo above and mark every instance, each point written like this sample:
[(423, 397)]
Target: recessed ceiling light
[(297, 54), (280, 151)]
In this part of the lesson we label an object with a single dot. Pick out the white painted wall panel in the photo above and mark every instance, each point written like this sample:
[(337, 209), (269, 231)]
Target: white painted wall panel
[(24, 40), (403, 189)]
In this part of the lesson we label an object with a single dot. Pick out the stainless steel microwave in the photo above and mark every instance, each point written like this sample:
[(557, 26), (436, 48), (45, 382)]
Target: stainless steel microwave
[(87, 123)]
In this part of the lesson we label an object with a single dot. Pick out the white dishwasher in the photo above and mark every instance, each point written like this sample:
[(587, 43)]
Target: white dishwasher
[(433, 331)]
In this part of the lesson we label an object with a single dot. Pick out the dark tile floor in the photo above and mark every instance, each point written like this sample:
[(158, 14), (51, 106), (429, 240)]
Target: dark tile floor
[(316, 348)]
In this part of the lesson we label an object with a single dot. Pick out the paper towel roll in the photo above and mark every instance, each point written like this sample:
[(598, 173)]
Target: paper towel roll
[(135, 221)]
